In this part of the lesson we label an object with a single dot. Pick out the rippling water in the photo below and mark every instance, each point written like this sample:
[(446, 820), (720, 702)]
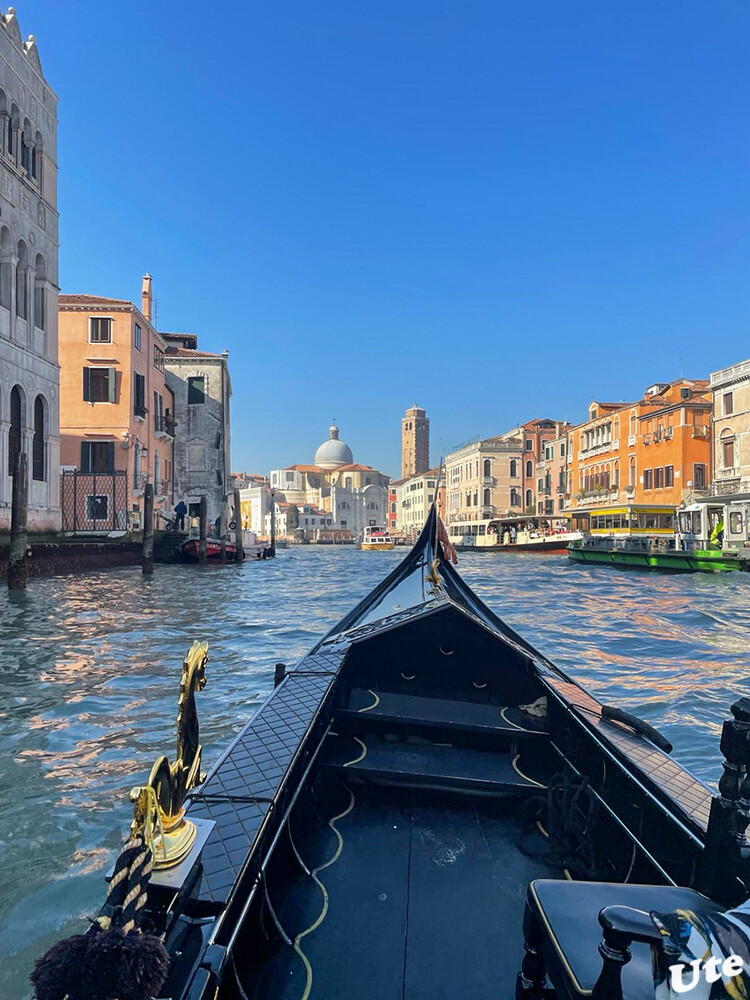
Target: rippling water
[(90, 670)]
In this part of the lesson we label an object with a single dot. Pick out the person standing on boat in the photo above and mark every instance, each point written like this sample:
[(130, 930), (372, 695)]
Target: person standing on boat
[(717, 535), (180, 511)]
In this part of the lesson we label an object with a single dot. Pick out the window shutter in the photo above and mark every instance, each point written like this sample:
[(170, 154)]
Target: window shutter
[(85, 453), (112, 384), (87, 385), (111, 450)]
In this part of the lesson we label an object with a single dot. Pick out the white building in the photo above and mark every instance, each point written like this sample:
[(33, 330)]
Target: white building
[(29, 373), (414, 497), (255, 504)]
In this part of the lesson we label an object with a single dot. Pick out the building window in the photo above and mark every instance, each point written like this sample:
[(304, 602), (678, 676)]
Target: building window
[(529, 470), (100, 330), (529, 498), (529, 445), (97, 456), (669, 475), (659, 478), (699, 477), (158, 359), (99, 385), (727, 404), (727, 448), (97, 507), (139, 395), (16, 427), (137, 337), (647, 479), (40, 297), (393, 508), (684, 393), (196, 389), (513, 468), (38, 448)]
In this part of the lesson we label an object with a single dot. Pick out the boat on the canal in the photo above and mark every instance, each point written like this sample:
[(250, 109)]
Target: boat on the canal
[(425, 806), (514, 533), (376, 539), (706, 536), (191, 550)]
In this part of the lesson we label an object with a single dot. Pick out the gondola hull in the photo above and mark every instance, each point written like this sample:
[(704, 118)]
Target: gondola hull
[(378, 821)]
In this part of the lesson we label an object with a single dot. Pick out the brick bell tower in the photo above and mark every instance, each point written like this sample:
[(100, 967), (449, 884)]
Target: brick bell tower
[(415, 442)]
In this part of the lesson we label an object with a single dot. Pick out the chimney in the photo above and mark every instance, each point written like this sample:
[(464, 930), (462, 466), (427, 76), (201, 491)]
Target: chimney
[(146, 299)]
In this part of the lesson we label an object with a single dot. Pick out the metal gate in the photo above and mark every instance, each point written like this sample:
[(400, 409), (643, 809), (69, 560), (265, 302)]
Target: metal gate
[(94, 501)]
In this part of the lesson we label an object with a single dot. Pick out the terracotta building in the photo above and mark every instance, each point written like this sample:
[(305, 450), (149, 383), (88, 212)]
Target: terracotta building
[(552, 473), (116, 426), (534, 434), (655, 450)]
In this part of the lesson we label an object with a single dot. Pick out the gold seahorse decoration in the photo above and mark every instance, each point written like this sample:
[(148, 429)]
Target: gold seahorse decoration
[(159, 806)]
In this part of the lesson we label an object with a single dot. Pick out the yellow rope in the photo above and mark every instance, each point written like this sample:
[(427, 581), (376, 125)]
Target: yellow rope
[(525, 777), (337, 853), (369, 708)]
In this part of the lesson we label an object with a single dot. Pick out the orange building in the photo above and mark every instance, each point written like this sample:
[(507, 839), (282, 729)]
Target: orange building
[(656, 450), (116, 426)]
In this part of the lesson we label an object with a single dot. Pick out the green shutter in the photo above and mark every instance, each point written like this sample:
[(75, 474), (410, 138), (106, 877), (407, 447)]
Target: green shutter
[(112, 384), (87, 385), (85, 453)]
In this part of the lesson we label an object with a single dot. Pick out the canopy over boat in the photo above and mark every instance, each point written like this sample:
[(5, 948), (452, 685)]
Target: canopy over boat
[(372, 831)]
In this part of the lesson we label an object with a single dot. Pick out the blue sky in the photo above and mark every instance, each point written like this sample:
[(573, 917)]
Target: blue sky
[(497, 210)]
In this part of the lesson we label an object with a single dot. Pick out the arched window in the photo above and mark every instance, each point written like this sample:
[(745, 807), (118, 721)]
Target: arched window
[(487, 467), (348, 483), (632, 423), (15, 434), (529, 470), (6, 267), (487, 498), (514, 468), (529, 498), (4, 120), (631, 473), (39, 444), (14, 128), (26, 144), (727, 449), (515, 498), (22, 301), (40, 295), (37, 154)]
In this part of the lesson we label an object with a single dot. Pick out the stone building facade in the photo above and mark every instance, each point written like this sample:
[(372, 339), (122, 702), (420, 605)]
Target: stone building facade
[(29, 374), (484, 478), (202, 389), (730, 395), (414, 497), (415, 442), (552, 473)]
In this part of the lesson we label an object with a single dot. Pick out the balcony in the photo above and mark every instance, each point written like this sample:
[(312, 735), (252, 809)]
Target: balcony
[(700, 432), (631, 440), (489, 481), (731, 374), (489, 511), (164, 426), (140, 411), (139, 482), (596, 449)]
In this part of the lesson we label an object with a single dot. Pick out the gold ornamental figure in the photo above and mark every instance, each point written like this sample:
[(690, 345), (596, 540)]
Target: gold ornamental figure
[(159, 806)]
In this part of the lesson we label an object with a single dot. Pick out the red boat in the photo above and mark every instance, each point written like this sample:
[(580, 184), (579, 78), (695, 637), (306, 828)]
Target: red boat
[(190, 550)]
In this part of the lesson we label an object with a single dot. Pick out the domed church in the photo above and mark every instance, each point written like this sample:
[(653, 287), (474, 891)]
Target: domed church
[(333, 453), (354, 495)]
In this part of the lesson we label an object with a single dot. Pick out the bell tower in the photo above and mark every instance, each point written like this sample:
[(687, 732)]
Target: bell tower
[(415, 442)]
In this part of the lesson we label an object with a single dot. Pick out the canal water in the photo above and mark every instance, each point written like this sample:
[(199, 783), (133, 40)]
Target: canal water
[(90, 666)]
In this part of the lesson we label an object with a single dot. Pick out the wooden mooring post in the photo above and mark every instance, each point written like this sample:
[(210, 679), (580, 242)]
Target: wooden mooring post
[(223, 525), (17, 567), (239, 553), (147, 554), (203, 532)]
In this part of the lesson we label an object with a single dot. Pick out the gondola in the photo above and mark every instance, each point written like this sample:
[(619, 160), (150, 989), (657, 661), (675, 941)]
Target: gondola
[(426, 807)]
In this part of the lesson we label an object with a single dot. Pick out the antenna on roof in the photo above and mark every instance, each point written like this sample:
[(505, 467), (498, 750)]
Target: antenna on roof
[(156, 314)]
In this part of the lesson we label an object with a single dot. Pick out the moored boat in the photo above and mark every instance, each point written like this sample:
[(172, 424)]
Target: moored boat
[(376, 539), (514, 533), (191, 550), (375, 827)]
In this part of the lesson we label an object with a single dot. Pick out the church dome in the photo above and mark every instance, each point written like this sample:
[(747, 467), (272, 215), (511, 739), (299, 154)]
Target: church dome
[(333, 453)]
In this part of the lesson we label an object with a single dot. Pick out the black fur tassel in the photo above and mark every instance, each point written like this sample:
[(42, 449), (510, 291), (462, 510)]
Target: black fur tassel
[(102, 965)]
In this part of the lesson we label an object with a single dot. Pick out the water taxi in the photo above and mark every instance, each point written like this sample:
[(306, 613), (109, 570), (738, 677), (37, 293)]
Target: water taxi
[(514, 533), (376, 539), (660, 538)]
